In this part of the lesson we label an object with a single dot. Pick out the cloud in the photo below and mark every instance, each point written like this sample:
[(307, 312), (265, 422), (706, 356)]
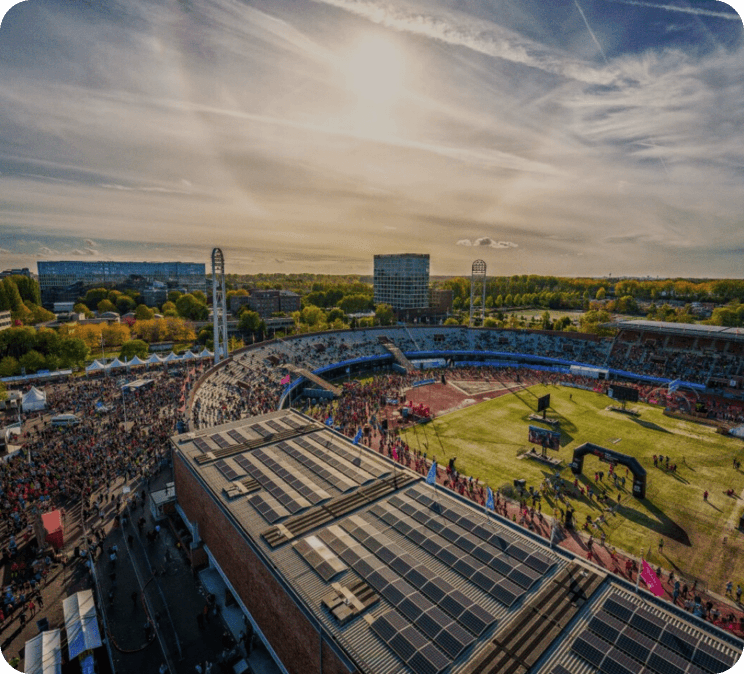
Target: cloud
[(84, 251), (90, 243), (45, 251), (676, 8), (488, 242)]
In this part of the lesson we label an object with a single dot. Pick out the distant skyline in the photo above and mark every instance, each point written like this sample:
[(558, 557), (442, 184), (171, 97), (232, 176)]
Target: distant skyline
[(574, 137)]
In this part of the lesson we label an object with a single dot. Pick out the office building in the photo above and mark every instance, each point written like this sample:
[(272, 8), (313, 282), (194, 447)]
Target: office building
[(267, 302), (5, 320), (402, 281), (66, 281)]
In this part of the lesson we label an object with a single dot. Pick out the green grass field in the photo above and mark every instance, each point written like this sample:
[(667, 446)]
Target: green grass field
[(488, 438)]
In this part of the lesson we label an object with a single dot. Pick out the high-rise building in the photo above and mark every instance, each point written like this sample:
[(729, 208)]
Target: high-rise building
[(68, 280), (402, 281)]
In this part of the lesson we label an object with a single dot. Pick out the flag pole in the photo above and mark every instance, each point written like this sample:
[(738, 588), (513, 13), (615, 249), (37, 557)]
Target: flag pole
[(638, 577)]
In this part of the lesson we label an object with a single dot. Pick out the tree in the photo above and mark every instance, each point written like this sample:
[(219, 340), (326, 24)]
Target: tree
[(200, 297), (384, 314), (94, 296), (189, 307), (73, 351), (547, 324), (601, 294), (9, 367), (105, 305), (143, 313), (356, 303), (336, 314), (32, 361), (499, 301), (312, 315), (490, 323), (173, 295), (452, 321), (509, 300), (250, 321), (134, 347), (81, 308), (489, 302), (125, 304)]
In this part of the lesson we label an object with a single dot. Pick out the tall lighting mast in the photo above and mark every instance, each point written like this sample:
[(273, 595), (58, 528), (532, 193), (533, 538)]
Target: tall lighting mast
[(219, 305)]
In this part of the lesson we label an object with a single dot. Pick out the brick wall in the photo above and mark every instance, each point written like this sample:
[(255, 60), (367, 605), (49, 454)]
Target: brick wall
[(294, 639)]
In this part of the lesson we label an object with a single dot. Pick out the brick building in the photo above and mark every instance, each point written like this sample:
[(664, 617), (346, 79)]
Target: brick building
[(344, 562)]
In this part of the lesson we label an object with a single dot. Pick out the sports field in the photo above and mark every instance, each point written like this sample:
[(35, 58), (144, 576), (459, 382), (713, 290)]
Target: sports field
[(488, 438)]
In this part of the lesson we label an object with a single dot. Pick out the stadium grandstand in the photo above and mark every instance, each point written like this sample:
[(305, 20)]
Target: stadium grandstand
[(346, 561)]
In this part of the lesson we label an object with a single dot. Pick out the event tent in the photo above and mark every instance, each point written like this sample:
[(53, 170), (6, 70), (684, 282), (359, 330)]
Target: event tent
[(115, 363), (33, 400), (154, 359), (81, 623), (206, 353), (43, 654), (95, 366), (136, 361), (189, 355), (171, 357)]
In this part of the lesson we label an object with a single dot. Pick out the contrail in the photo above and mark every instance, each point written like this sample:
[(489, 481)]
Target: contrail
[(685, 10), (591, 32)]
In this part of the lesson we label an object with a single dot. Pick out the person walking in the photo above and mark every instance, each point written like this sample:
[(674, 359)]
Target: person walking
[(729, 589), (661, 545), (738, 593)]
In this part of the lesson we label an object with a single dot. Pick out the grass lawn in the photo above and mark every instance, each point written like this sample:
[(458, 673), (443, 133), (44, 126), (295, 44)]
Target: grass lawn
[(488, 438)]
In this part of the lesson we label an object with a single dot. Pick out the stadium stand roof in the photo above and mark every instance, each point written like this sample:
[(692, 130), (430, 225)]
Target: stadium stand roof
[(406, 577), (687, 329)]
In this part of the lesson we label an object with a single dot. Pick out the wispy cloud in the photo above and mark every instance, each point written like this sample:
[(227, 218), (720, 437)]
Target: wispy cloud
[(487, 242), (699, 11)]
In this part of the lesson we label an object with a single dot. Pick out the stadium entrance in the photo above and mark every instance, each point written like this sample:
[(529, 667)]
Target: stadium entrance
[(607, 455)]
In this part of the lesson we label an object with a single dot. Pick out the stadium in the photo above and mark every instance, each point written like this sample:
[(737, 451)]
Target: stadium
[(305, 481)]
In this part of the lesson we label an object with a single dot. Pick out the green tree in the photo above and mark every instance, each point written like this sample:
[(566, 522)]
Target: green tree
[(105, 305), (200, 296), (355, 303), (189, 307), (499, 301), (9, 367), (451, 321), (134, 347), (546, 323), (125, 304), (143, 313), (173, 295), (250, 322), (384, 314), (601, 294), (32, 361), (490, 323), (489, 302), (336, 314), (94, 296), (81, 308), (73, 351)]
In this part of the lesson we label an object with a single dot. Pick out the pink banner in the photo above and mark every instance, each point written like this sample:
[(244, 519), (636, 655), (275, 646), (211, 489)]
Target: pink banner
[(652, 581), (285, 380)]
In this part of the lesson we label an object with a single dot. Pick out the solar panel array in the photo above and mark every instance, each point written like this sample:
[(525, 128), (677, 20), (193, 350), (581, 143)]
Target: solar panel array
[(228, 472), (298, 482), (270, 509), (625, 638), (506, 580), (319, 557), (439, 620), (343, 466), (320, 468), (219, 440), (345, 451), (288, 497)]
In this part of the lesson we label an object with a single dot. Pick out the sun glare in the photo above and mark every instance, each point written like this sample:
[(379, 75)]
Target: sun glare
[(375, 70)]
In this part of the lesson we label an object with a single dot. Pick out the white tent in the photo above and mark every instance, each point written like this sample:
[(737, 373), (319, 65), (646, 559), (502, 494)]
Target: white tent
[(43, 654), (81, 623), (136, 361), (95, 366), (154, 359), (189, 355), (171, 357), (206, 353), (115, 363), (33, 400)]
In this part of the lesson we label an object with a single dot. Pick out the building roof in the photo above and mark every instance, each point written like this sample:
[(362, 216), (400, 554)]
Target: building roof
[(688, 329), (403, 575)]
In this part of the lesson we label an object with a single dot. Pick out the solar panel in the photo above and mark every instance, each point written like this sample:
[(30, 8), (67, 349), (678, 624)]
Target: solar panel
[(476, 619), (237, 436), (634, 643), (260, 430), (299, 483), (228, 472), (428, 660), (619, 607), (504, 594), (277, 490), (219, 440), (409, 609), (559, 669), (435, 591), (394, 594), (518, 552), (589, 648), (606, 626), (454, 640), (647, 623), (712, 659), (665, 661), (202, 445), (270, 509), (616, 662), (679, 641), (539, 563), (388, 625), (523, 576), (272, 423), (409, 644), (331, 476), (319, 557)]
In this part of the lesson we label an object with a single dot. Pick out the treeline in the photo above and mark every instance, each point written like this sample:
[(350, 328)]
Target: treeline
[(22, 297)]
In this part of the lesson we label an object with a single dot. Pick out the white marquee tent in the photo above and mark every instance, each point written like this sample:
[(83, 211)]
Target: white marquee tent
[(33, 400), (43, 654)]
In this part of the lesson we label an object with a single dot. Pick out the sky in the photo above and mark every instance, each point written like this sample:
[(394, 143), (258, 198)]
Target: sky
[(570, 137)]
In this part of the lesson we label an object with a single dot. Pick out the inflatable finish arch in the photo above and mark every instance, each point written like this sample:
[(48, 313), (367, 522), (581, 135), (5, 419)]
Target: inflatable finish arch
[(639, 472)]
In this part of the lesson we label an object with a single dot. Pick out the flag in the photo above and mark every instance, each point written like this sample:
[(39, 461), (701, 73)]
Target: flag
[(489, 499), (395, 454), (650, 578), (329, 421), (285, 380), (431, 478), (358, 437)]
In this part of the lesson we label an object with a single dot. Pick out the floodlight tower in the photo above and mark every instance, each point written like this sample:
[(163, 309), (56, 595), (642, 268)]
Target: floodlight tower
[(478, 282), (219, 305)]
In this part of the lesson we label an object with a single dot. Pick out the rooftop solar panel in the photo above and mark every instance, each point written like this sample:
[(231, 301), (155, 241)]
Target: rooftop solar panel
[(202, 445), (711, 659), (228, 472), (589, 648), (616, 662), (220, 441), (428, 660), (619, 607), (665, 661), (454, 640), (606, 626), (237, 436), (269, 509), (635, 644), (679, 641), (647, 623)]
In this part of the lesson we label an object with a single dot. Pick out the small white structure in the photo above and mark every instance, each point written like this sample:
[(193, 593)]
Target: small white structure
[(81, 623), (43, 654), (33, 400), (95, 366)]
